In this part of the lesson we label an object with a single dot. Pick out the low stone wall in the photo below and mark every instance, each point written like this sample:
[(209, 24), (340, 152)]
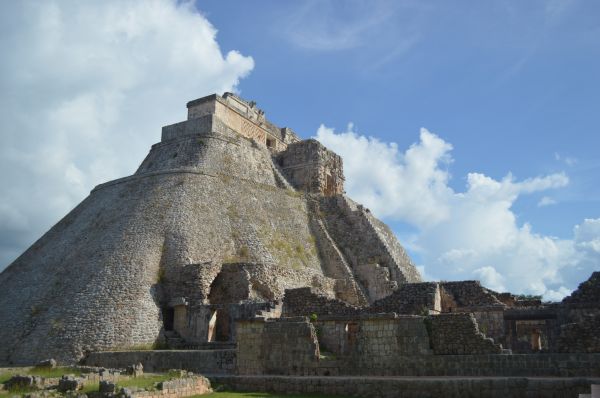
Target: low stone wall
[(375, 387), (389, 345), (185, 387), (525, 365), (459, 334), (198, 361)]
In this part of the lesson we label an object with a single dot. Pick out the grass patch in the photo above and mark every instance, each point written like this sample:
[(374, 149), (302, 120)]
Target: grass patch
[(53, 372), (145, 381), (4, 377)]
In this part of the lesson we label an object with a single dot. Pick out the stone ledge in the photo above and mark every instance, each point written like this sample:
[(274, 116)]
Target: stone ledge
[(413, 387)]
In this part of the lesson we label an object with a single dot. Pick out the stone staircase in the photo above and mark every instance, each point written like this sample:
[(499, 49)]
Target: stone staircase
[(335, 264), (359, 212), (280, 178), (173, 340), (357, 237)]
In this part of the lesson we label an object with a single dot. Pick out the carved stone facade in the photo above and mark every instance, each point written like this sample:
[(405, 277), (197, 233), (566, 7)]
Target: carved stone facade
[(243, 117), (311, 167)]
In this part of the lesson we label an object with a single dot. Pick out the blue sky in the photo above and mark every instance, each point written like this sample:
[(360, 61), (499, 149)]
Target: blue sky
[(470, 127), (510, 84)]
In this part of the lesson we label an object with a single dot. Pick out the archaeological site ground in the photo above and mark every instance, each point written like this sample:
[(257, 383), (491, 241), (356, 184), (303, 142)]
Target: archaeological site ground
[(234, 253)]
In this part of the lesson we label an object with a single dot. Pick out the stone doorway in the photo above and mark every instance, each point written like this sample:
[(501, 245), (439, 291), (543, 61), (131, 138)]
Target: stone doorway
[(168, 318)]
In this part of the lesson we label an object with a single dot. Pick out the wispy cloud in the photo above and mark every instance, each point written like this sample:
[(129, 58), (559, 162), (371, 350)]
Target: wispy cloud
[(382, 30), (546, 201)]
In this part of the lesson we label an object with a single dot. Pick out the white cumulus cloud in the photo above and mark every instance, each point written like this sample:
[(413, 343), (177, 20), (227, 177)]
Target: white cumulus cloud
[(84, 89), (468, 234)]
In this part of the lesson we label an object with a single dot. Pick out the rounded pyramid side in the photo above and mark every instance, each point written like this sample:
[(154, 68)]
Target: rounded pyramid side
[(93, 282)]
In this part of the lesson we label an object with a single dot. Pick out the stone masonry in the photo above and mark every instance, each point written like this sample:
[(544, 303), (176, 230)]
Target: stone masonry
[(211, 228), (234, 249)]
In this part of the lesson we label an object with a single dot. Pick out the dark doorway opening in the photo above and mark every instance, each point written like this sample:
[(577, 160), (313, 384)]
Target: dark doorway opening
[(168, 318), (222, 326)]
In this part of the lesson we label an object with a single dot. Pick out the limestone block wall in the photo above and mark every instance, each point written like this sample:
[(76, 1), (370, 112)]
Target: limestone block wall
[(197, 361), (381, 339), (178, 388), (311, 167), (491, 322), (410, 298), (587, 292), (217, 153), (372, 340), (581, 337), (378, 387), (456, 295), (107, 275), (93, 281), (459, 334), (306, 301), (276, 346)]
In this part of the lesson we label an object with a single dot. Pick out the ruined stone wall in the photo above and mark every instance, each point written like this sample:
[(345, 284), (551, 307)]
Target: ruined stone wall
[(372, 340), (583, 336), (491, 322), (411, 298), (177, 388), (197, 361), (459, 334), (587, 293), (306, 301), (231, 292), (522, 324), (250, 347), (381, 339), (312, 168), (465, 294), (286, 346)]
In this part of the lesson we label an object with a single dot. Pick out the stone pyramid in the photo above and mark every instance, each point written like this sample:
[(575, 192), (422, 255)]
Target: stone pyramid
[(226, 212)]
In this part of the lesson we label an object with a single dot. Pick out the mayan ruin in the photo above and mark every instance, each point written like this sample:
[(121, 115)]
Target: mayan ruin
[(234, 255)]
